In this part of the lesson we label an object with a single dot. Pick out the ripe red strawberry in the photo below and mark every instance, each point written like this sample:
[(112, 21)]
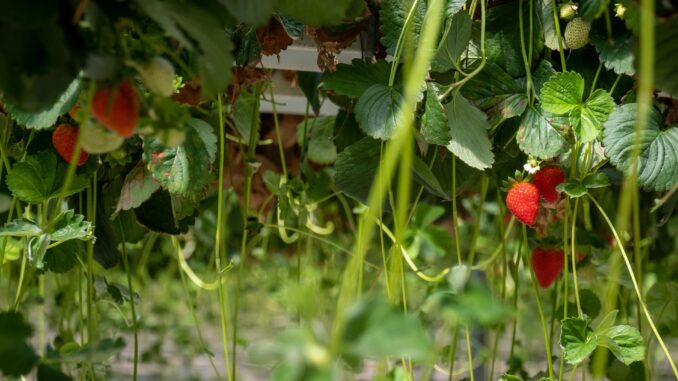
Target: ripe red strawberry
[(546, 180), (547, 264), (64, 138), (117, 109), (523, 201)]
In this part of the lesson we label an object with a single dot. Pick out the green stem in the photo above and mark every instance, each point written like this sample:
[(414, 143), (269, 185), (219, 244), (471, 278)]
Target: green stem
[(573, 247), (135, 327), (218, 255), (559, 37), (636, 287), (544, 328)]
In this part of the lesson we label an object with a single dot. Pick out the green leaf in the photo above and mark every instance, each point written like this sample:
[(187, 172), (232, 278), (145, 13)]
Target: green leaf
[(354, 79), (183, 170), (392, 15), (474, 306), (308, 83), (572, 188), (468, 129), (577, 339), (95, 352), (454, 42), (617, 54), (157, 214), (537, 135), (61, 258), (201, 31), (662, 302), (591, 9), (138, 187), (375, 329), (658, 160), (68, 225), (434, 121), (596, 180), (40, 178), (548, 27), (509, 377), (49, 373), (666, 65), (625, 342), (321, 13), (496, 93), (541, 74), (562, 93), (378, 111), (251, 12), (321, 147), (592, 115), (16, 356), (246, 114), (502, 44), (48, 117), (356, 168), (426, 177), (20, 227), (454, 6)]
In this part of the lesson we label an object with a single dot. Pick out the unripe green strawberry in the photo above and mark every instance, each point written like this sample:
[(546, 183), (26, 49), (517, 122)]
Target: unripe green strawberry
[(158, 76), (171, 137), (96, 139), (64, 139), (577, 33), (523, 201), (568, 11)]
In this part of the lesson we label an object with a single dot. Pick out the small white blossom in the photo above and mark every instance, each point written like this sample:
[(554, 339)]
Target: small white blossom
[(531, 167)]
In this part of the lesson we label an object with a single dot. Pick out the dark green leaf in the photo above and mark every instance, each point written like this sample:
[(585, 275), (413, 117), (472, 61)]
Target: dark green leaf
[(548, 26), (496, 93), (537, 136), (591, 9), (356, 168), (309, 82), (183, 170), (577, 339), (662, 301), (46, 118), (156, 214), (434, 121), (468, 130), (321, 148), (509, 377), (615, 54), (573, 188), (48, 373), (40, 177), (378, 111), (354, 79), (62, 258), (201, 31), (658, 160), (246, 114), (427, 178), (251, 12), (666, 65), (17, 360), (392, 15), (454, 42), (321, 13)]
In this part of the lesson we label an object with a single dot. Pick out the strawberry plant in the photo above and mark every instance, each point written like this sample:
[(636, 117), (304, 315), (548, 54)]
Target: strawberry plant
[(447, 190)]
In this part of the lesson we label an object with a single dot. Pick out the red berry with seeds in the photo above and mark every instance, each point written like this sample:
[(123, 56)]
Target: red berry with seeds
[(64, 139), (523, 201), (117, 108), (547, 264), (546, 180)]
